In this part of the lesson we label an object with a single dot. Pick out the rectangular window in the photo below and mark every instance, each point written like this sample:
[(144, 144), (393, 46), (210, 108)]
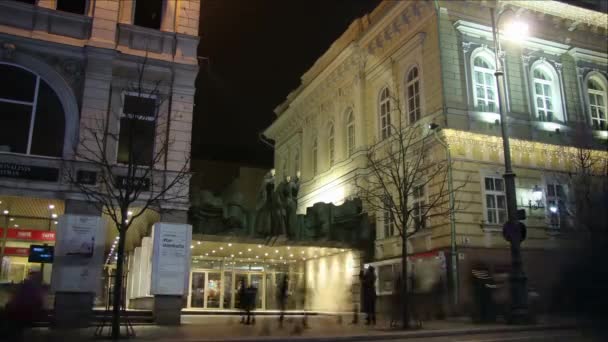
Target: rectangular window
[(351, 139), (137, 130), (419, 205), (386, 278), (495, 200), (148, 13), (388, 221), (556, 200), (72, 6)]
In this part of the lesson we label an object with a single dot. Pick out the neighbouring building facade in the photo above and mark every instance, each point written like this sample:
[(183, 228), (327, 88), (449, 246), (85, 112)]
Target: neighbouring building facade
[(66, 66), (437, 58)]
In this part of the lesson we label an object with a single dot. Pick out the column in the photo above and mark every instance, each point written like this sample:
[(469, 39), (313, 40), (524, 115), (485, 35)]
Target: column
[(75, 309), (103, 30)]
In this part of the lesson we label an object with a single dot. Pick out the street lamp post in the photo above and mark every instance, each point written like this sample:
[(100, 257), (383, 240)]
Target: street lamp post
[(518, 280)]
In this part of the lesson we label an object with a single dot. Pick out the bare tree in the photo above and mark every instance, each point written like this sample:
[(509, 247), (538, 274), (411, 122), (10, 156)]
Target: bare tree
[(406, 183), (137, 178)]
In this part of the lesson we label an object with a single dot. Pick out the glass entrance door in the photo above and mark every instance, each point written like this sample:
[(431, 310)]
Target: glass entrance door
[(214, 285), (197, 290)]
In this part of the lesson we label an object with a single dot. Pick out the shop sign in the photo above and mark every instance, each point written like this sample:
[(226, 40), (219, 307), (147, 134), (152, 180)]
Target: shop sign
[(28, 234), (122, 182), (39, 173), (16, 251), (171, 258)]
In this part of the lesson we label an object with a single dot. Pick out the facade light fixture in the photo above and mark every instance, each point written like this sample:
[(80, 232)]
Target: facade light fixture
[(51, 206), (5, 212), (53, 215)]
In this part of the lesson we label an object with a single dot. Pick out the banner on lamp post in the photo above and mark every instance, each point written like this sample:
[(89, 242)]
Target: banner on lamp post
[(79, 250), (171, 258)]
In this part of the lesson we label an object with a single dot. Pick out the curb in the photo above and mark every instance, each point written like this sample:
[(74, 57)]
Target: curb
[(386, 336)]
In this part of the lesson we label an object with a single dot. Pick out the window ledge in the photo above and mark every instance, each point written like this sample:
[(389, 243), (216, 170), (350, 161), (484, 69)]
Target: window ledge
[(491, 227), (550, 126), (146, 39), (600, 134)]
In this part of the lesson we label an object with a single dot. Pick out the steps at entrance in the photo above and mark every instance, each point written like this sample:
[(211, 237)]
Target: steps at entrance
[(224, 312), (136, 317)]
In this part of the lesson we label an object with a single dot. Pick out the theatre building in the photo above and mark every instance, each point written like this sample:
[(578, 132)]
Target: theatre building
[(434, 62), (65, 66)]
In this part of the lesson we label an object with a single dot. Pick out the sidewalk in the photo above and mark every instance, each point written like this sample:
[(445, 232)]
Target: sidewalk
[(321, 328)]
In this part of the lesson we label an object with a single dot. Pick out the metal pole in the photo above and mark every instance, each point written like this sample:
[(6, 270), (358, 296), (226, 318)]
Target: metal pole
[(519, 292), (453, 250)]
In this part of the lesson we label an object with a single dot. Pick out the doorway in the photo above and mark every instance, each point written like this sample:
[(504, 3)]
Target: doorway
[(205, 289)]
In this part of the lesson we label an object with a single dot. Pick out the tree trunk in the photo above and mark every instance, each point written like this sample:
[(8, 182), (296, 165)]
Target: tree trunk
[(117, 295), (404, 280)]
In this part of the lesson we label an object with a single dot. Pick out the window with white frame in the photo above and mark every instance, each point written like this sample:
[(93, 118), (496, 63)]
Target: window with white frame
[(315, 159), (388, 220), (419, 202), (385, 113), (597, 93), (137, 129), (556, 201), (331, 144), (350, 133), (32, 119), (495, 200), (413, 95), (484, 83), (546, 93)]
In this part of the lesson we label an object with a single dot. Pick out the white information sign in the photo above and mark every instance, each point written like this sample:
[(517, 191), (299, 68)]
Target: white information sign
[(171, 258), (79, 249)]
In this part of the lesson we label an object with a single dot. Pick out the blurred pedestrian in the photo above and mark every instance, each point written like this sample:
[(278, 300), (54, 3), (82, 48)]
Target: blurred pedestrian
[(397, 302), (369, 281), (240, 300), (250, 295), (282, 294), (24, 308)]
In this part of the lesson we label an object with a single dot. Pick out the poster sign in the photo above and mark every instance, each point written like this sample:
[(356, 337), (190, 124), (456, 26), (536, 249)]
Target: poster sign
[(171, 258), (28, 234), (79, 249)]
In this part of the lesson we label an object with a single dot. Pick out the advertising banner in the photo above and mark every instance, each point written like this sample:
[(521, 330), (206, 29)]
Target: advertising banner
[(171, 258), (79, 250), (28, 234)]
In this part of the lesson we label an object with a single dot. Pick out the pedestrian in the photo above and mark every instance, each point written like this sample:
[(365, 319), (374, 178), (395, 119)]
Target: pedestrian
[(282, 294), (397, 302), (250, 295), (369, 279), (240, 300), (24, 308)]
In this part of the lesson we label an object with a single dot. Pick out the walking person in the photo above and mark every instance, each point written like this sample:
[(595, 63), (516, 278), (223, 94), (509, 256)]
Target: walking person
[(241, 300), (250, 295), (397, 302), (369, 280), (282, 294)]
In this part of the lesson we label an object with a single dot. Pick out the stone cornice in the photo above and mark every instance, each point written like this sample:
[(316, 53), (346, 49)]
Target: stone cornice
[(596, 57)]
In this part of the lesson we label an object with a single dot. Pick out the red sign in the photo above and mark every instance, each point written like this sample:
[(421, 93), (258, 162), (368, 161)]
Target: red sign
[(17, 251), (28, 234)]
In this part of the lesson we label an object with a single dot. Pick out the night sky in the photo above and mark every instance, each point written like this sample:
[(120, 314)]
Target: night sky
[(258, 49)]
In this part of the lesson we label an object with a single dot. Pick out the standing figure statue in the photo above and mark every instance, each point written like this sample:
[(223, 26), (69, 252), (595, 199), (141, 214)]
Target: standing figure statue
[(264, 207), (291, 204), (279, 214)]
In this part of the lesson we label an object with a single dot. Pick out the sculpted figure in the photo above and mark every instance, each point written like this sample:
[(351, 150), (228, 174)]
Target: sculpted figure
[(264, 207), (291, 204)]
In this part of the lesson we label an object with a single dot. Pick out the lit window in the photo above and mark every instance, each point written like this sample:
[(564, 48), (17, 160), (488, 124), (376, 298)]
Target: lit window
[(546, 93), (148, 13), (137, 126), (32, 119), (385, 114), (350, 133), (597, 103), (413, 95), (556, 200), (495, 200), (484, 83), (419, 206), (331, 145), (388, 220), (315, 150)]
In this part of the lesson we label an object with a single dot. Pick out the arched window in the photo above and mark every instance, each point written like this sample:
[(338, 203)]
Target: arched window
[(596, 90), (350, 133), (484, 83), (32, 119), (331, 144), (315, 159), (547, 100), (413, 95), (385, 113)]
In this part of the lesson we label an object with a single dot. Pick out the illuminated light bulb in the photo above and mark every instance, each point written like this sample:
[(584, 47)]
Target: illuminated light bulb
[(288, 247), (265, 254), (55, 222), (54, 215), (232, 255), (240, 253), (257, 256), (229, 245), (191, 246), (221, 248), (213, 251), (51, 206), (259, 246), (5, 212), (248, 249), (291, 255), (276, 251), (553, 209), (198, 242), (11, 219)]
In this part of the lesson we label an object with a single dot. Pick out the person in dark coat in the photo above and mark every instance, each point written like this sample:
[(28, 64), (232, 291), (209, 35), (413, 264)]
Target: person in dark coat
[(24, 308), (396, 305), (282, 294), (369, 280)]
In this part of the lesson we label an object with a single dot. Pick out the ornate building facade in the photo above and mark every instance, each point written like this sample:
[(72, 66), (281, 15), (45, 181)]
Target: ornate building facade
[(436, 62), (66, 66)]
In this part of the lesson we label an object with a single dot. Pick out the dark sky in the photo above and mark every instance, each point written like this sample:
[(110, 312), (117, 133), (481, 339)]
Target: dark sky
[(258, 49)]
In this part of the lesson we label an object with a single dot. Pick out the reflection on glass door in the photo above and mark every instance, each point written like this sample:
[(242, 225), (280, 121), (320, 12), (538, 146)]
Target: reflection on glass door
[(240, 280), (197, 294), (227, 290), (256, 281), (213, 289)]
